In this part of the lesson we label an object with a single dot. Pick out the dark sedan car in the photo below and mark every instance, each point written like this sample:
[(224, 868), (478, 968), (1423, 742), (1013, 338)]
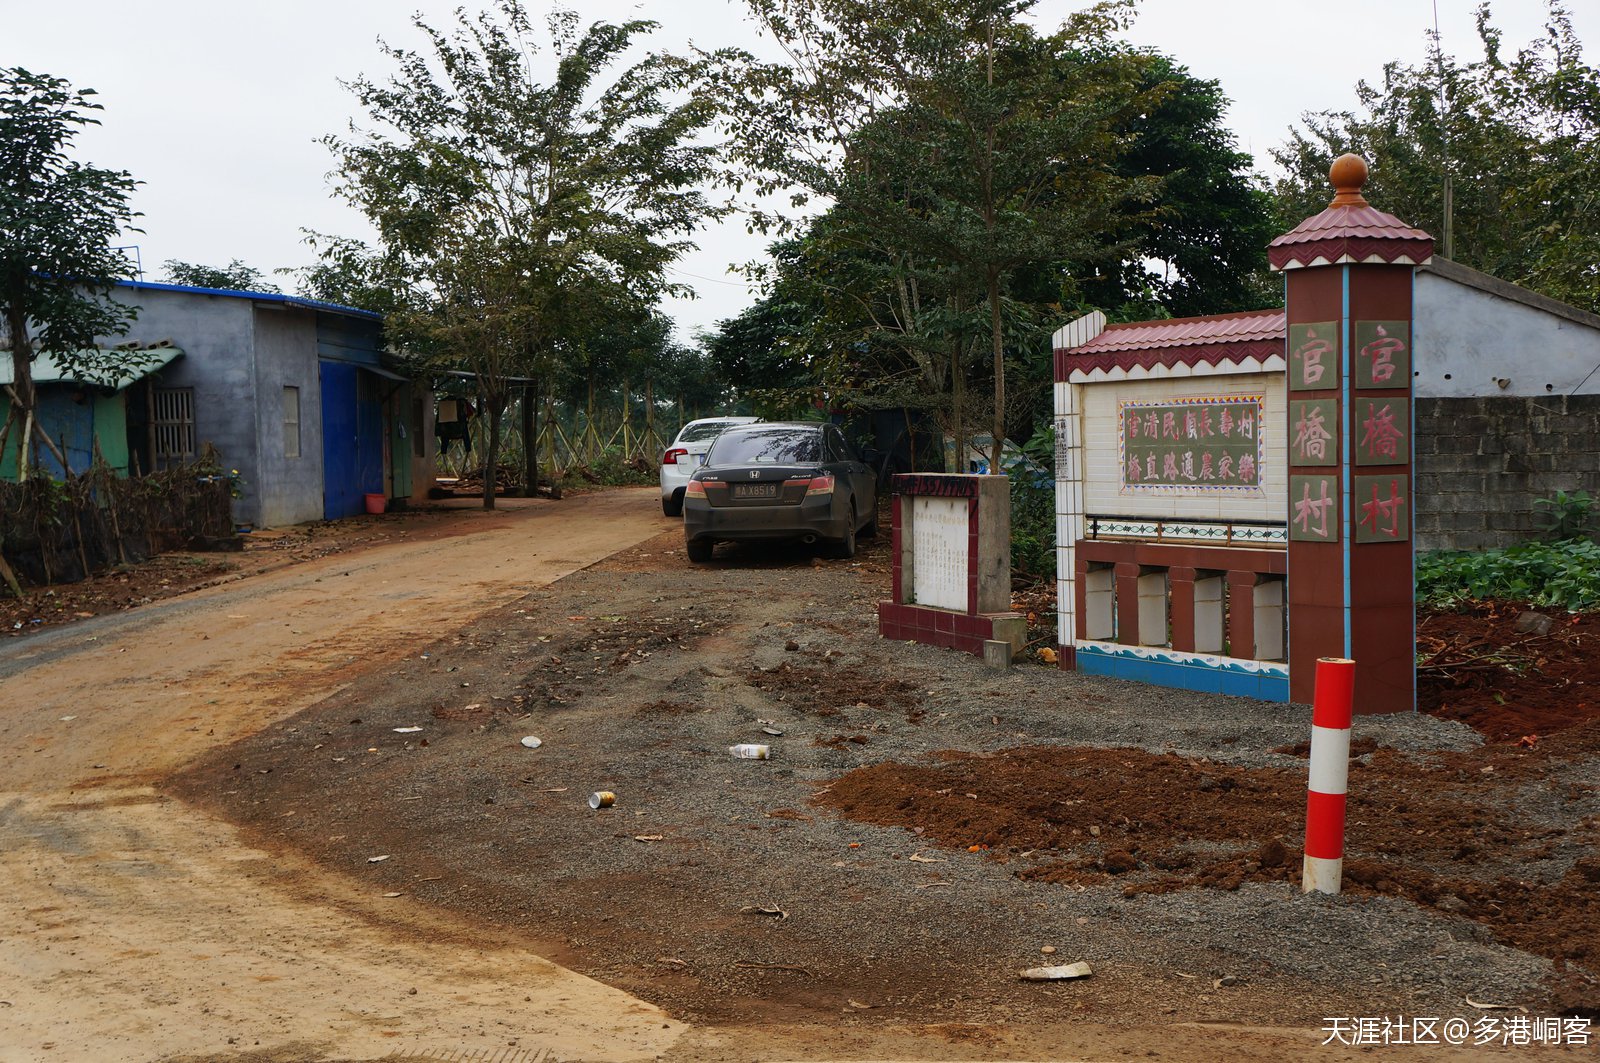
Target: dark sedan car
[(780, 481)]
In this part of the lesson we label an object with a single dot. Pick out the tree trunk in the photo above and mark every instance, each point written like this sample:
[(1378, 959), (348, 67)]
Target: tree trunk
[(23, 396), (958, 396), (999, 372), (588, 422), (530, 441), (627, 421), (491, 457)]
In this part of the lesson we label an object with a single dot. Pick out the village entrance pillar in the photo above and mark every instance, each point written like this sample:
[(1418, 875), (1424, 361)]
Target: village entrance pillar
[(1351, 573)]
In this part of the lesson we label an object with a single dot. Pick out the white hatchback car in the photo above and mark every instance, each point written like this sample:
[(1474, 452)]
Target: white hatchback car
[(687, 453)]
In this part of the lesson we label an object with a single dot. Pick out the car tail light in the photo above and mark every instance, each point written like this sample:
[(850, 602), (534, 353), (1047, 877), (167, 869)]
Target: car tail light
[(820, 485), (671, 457), (696, 489)]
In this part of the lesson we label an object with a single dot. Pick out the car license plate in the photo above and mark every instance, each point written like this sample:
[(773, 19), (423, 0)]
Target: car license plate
[(755, 490)]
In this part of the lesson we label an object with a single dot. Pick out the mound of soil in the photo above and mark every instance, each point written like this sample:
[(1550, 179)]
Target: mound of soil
[(1477, 667), (1429, 831)]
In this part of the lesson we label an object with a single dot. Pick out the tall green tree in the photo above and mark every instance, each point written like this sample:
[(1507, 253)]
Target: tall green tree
[(499, 198), (1514, 138), (982, 181), (235, 276), (58, 221), (954, 140)]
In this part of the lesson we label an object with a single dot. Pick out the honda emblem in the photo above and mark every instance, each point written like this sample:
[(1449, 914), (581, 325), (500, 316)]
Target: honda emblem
[(755, 474)]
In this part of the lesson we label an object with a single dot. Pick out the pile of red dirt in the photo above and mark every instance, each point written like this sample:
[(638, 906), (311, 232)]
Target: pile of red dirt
[(1437, 832), (1476, 666)]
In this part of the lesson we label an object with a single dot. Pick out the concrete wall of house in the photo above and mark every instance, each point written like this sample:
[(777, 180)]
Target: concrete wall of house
[(1507, 410), (1470, 342), (1481, 463), (217, 335), (289, 487)]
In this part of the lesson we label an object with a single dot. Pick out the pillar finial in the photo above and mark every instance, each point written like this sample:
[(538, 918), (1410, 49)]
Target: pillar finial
[(1348, 175)]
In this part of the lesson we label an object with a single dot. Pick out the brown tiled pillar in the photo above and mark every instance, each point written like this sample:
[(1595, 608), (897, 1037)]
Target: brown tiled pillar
[(1181, 605), (1128, 603), (1351, 578), (1242, 614)]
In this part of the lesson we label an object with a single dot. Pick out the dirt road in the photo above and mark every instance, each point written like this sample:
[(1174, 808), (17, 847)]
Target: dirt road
[(138, 928), (404, 899)]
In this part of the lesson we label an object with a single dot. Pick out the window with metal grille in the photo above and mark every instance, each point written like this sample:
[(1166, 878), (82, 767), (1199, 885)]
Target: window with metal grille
[(291, 422), (172, 424)]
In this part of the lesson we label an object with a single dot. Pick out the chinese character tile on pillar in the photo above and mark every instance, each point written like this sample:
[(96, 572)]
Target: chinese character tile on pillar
[(1383, 354), (1314, 432), (1380, 509), (1314, 356), (1314, 509), (1383, 431)]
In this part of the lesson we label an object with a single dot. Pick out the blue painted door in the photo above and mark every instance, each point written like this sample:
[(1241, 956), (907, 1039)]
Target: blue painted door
[(341, 483)]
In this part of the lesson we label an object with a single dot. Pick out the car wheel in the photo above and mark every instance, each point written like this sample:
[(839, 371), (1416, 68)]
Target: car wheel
[(844, 549), (699, 550), (672, 505)]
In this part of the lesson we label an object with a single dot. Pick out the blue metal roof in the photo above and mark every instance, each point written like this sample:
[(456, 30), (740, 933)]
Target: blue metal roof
[(259, 297)]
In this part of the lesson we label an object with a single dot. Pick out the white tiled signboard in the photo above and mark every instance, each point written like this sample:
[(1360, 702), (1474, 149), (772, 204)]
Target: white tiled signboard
[(939, 542)]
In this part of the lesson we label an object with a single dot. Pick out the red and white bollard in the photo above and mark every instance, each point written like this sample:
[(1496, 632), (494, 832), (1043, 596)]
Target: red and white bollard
[(1331, 712)]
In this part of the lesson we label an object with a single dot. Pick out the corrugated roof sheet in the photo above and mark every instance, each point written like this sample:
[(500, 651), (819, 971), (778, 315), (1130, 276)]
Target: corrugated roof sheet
[(1367, 222), (1249, 326), (259, 297), (141, 363), (1350, 233)]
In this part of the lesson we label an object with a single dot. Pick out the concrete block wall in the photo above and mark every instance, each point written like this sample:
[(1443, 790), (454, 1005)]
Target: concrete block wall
[(1481, 463)]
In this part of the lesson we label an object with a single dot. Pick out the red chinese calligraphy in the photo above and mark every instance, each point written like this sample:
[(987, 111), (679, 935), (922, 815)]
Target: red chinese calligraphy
[(1312, 514), (1169, 466), (1382, 515), (1380, 436), (1247, 469), (1208, 469), (1133, 424), (1133, 469), (1169, 424), (1225, 467), (1310, 354), (1382, 351), (1191, 424), (1311, 436)]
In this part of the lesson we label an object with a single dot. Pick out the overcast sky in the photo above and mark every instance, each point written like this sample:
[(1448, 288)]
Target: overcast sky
[(218, 107)]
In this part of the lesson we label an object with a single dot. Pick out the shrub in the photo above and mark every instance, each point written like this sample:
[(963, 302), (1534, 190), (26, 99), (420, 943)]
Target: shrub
[(1562, 574), (1033, 527)]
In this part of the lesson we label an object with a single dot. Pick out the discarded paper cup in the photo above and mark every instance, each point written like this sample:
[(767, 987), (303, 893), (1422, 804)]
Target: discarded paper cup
[(602, 799), (750, 751)]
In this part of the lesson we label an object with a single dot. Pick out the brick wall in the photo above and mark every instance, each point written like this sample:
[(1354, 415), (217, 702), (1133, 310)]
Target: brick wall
[(1482, 461)]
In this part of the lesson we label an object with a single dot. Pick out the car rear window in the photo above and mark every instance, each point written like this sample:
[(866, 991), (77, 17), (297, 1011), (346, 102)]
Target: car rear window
[(699, 433), (767, 446)]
